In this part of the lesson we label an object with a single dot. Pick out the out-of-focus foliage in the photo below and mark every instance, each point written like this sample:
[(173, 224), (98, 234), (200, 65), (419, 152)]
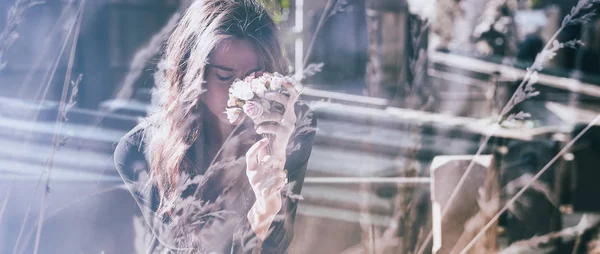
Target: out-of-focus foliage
[(278, 8)]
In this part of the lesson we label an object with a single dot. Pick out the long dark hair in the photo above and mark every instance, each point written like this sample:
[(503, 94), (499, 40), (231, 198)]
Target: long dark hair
[(175, 123)]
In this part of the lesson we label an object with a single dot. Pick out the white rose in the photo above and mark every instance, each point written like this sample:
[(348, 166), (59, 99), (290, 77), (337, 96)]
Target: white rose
[(253, 109), (266, 76), (276, 83), (233, 114), (233, 86), (258, 87), (242, 91), (232, 102)]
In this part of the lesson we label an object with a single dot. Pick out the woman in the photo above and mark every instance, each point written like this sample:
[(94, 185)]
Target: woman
[(202, 184)]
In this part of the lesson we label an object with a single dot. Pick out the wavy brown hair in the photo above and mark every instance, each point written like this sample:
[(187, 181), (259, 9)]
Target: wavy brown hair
[(175, 121)]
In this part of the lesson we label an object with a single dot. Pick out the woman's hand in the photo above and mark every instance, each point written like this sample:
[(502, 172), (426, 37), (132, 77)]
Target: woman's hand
[(267, 180), (265, 170), (278, 123)]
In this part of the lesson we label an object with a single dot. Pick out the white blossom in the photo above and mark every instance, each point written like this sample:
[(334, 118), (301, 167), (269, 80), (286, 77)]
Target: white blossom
[(276, 83), (258, 87), (253, 109), (233, 114), (241, 90), (232, 102)]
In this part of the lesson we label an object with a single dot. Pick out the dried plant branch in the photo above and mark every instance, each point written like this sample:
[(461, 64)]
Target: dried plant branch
[(571, 19), (72, 101), (573, 43), (4, 203), (572, 235), (541, 242), (49, 75), (15, 15), (340, 6), (47, 86), (403, 232), (548, 52), (59, 122), (521, 94), (324, 15), (526, 187), (67, 16), (405, 221), (68, 107), (311, 70), (332, 7), (150, 220)]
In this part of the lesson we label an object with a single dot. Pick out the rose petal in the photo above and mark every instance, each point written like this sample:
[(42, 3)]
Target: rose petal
[(233, 114), (232, 102), (242, 91), (258, 87), (275, 83), (253, 109)]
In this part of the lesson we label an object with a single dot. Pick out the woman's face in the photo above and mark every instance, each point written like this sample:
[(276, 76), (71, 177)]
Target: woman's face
[(233, 58)]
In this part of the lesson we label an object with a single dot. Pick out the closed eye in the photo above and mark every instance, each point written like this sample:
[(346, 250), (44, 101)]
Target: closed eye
[(224, 78)]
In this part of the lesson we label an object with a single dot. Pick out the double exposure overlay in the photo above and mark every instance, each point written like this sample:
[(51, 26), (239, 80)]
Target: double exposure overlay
[(300, 126)]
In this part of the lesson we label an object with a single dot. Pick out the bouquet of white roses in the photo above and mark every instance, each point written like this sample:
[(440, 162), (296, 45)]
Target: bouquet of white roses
[(247, 95)]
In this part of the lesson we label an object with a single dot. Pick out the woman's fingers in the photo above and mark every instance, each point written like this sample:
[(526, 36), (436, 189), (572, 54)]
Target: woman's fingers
[(277, 129), (281, 180), (285, 116), (279, 183), (256, 180), (279, 135), (278, 97), (267, 117), (289, 120), (290, 114), (294, 94), (286, 119), (265, 176), (252, 156), (287, 101), (273, 184), (271, 163)]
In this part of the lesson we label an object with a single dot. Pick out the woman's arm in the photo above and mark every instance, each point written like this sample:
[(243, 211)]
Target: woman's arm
[(281, 229), (132, 166)]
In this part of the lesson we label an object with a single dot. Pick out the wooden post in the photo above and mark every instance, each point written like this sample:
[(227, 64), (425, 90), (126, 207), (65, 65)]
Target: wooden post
[(386, 26)]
